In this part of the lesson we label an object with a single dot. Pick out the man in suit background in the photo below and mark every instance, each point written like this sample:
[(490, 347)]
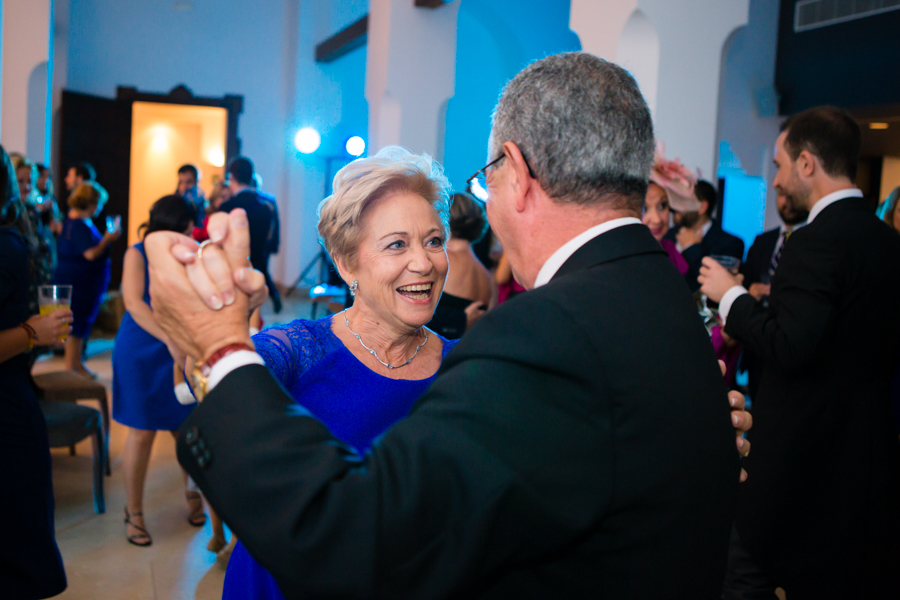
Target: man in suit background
[(823, 523), (699, 236), (759, 268), (545, 461), (259, 215)]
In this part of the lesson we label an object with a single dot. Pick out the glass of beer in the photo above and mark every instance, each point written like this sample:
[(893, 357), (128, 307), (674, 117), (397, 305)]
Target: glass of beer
[(54, 297)]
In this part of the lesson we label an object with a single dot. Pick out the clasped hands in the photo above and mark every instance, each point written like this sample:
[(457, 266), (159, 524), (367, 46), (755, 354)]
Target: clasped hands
[(202, 301)]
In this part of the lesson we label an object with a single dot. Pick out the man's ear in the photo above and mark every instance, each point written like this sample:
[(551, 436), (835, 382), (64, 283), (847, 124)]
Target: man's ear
[(704, 208), (520, 179), (806, 164)]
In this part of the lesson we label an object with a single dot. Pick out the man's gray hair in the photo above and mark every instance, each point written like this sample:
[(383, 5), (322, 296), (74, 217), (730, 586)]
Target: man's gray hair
[(583, 127)]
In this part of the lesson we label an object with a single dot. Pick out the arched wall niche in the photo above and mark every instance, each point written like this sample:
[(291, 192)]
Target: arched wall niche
[(638, 51)]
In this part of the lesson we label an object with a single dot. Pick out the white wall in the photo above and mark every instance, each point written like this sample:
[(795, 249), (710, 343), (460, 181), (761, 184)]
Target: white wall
[(26, 78), (263, 52), (747, 110), (691, 35)]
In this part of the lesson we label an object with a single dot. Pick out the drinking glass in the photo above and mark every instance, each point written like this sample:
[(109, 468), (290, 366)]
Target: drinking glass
[(731, 264), (54, 297), (113, 222)]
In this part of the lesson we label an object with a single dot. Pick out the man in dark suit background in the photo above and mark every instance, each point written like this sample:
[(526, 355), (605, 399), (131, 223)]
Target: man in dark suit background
[(699, 236), (259, 215), (823, 523), (759, 268), (545, 461)]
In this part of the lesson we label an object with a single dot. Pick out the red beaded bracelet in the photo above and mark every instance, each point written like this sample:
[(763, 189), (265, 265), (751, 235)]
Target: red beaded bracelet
[(32, 334)]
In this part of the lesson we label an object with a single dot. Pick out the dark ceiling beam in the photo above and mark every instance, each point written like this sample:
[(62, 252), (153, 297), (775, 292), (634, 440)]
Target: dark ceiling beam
[(346, 40)]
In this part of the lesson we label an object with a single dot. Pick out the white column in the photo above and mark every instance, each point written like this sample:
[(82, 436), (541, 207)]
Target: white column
[(410, 74), (26, 78)]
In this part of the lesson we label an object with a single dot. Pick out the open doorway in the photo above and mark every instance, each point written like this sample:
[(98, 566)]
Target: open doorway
[(164, 137)]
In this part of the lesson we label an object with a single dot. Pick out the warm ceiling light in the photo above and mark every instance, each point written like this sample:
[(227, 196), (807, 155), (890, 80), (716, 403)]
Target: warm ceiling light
[(878, 125)]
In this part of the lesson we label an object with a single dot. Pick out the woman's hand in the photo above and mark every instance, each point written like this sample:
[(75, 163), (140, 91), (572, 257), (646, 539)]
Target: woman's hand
[(110, 236), (50, 327)]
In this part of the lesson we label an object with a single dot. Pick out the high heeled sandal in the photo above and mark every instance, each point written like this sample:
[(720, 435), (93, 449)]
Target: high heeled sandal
[(197, 517), (143, 535)]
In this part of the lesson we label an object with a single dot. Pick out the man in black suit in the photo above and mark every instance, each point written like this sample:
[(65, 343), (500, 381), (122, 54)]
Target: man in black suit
[(759, 268), (699, 236), (259, 215), (823, 523), (545, 461)]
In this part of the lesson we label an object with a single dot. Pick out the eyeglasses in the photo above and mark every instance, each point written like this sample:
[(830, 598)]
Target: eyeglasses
[(477, 183)]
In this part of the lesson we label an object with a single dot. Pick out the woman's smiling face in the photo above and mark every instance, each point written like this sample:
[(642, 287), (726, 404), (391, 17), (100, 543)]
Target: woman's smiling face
[(655, 214), (401, 264)]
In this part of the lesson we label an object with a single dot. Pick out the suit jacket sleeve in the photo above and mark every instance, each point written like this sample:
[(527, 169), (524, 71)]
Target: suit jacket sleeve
[(803, 305), (501, 439)]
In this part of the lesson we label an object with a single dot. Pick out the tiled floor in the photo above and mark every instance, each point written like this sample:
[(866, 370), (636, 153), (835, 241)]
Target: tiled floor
[(99, 562)]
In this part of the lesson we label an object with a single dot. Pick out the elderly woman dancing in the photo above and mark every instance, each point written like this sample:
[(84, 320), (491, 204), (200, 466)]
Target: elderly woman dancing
[(360, 371)]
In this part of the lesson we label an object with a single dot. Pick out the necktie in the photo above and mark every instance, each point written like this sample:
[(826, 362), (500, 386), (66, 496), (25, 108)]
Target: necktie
[(773, 264)]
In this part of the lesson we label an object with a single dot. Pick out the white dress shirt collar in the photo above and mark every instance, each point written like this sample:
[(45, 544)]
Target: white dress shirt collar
[(830, 199), (558, 258)]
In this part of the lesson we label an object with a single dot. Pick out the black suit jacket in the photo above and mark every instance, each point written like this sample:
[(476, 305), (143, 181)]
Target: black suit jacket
[(260, 221), (716, 242), (819, 512), (555, 456), (756, 270)]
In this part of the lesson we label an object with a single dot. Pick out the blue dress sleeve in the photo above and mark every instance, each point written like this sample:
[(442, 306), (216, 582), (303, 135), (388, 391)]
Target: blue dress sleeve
[(291, 350)]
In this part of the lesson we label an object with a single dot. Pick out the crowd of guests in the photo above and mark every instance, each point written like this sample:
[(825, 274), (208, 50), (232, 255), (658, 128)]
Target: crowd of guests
[(792, 315)]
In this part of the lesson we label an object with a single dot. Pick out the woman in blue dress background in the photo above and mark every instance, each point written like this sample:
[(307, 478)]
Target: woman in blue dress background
[(143, 393), (362, 370), (83, 262), (30, 563)]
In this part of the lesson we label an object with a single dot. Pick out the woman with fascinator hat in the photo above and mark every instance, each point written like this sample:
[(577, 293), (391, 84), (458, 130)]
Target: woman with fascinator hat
[(671, 189)]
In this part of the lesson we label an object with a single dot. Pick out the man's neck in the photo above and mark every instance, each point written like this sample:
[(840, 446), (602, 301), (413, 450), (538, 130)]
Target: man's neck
[(237, 188), (826, 187), (568, 223)]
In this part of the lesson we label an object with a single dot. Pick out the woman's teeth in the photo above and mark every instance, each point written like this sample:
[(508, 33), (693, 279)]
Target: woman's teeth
[(417, 292)]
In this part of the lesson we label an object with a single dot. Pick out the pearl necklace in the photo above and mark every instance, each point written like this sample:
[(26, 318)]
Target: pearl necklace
[(372, 352)]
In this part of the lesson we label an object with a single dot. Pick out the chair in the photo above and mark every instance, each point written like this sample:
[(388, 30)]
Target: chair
[(68, 386), (68, 424)]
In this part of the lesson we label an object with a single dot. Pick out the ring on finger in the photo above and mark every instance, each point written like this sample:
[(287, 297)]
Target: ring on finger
[(201, 247)]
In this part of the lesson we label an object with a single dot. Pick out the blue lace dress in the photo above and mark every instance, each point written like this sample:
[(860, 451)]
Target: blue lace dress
[(354, 402)]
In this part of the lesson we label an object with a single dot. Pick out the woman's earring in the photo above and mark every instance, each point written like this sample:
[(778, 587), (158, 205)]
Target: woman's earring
[(353, 287)]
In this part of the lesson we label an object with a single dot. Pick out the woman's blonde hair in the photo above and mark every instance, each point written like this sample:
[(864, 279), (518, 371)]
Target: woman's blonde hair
[(85, 196), (364, 181)]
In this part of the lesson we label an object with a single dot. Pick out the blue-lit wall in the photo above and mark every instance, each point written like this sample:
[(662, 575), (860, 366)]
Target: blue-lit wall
[(496, 39)]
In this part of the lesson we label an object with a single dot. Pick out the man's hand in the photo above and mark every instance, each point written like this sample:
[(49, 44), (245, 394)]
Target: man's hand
[(758, 290), (245, 278), (689, 236), (715, 279), (188, 303), (741, 419)]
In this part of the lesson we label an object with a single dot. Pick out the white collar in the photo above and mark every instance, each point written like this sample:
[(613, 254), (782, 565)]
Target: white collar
[(706, 227), (830, 199), (791, 228), (558, 258)]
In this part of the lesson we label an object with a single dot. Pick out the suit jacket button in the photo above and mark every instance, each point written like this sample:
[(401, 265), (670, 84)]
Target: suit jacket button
[(201, 443), (202, 461), (191, 437), (195, 450)]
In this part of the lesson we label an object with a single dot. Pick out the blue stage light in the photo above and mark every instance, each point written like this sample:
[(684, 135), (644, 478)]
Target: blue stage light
[(307, 140), (355, 146)]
